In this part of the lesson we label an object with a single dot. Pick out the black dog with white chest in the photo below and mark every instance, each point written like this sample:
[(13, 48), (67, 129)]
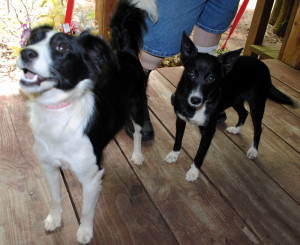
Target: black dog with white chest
[(81, 91), (208, 86)]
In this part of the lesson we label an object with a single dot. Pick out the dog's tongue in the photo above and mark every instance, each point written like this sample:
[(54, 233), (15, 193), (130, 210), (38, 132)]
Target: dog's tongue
[(29, 75)]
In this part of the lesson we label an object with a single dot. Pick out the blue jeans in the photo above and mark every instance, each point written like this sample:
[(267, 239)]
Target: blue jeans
[(163, 38)]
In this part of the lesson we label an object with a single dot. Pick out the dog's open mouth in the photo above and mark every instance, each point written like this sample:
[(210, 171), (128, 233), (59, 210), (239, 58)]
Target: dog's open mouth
[(30, 78)]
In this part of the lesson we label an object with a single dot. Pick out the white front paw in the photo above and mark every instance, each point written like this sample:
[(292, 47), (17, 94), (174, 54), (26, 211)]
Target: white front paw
[(137, 159), (192, 174), (233, 130), (252, 153), (172, 156), (52, 222), (84, 234)]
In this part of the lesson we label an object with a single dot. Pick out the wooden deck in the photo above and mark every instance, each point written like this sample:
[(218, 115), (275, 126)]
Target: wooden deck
[(235, 201)]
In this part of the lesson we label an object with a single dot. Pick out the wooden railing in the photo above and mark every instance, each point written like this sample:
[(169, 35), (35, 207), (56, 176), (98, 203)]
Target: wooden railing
[(289, 52)]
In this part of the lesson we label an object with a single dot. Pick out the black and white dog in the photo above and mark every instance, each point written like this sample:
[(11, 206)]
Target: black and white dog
[(208, 86), (81, 91)]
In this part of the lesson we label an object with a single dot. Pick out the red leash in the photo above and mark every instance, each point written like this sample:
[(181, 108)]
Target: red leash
[(68, 17), (235, 22)]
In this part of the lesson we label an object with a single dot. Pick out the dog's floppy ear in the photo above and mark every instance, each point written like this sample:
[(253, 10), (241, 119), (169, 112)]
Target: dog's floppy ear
[(97, 52), (188, 48), (37, 34), (228, 60)]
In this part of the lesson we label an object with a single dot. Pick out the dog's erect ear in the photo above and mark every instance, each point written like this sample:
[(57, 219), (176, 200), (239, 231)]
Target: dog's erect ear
[(228, 60), (188, 48)]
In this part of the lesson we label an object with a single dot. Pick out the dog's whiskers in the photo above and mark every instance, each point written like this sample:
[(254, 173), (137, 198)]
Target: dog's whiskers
[(58, 77)]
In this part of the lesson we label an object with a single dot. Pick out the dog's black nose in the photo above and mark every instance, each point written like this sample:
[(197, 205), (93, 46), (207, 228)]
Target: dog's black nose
[(28, 54), (196, 100)]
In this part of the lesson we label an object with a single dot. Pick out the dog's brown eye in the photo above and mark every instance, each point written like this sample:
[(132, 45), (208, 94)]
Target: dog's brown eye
[(191, 74), (211, 78), (61, 48)]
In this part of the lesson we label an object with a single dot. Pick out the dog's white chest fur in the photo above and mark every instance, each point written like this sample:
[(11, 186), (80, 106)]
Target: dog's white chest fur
[(59, 132), (199, 117)]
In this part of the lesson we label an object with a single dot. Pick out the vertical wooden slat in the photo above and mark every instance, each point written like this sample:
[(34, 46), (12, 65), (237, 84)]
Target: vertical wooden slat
[(290, 49), (99, 14), (259, 24), (104, 10)]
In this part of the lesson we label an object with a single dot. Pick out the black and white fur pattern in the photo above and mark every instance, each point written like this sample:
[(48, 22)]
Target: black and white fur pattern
[(81, 91), (208, 86)]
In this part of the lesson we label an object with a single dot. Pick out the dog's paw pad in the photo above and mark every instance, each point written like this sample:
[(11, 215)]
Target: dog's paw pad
[(52, 222), (172, 156), (252, 153), (192, 174), (233, 130), (137, 159), (84, 235)]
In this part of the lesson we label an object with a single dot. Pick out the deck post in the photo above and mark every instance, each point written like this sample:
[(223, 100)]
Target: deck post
[(290, 48), (104, 10), (258, 25)]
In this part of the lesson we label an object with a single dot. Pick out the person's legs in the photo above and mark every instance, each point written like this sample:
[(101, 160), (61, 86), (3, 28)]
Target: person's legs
[(206, 42), (149, 61), (204, 38), (213, 21), (163, 38)]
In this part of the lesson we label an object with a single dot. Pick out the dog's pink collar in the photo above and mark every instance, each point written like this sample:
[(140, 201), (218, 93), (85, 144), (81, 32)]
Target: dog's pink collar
[(59, 106)]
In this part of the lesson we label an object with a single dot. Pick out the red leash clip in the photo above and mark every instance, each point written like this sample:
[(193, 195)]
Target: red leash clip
[(235, 22), (68, 17)]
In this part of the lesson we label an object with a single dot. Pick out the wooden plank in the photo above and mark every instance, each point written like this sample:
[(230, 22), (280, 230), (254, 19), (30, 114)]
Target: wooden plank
[(238, 179), (195, 212), (24, 194), (284, 73), (125, 214), (279, 160), (290, 50), (265, 52), (258, 25), (172, 74), (283, 123), (295, 96)]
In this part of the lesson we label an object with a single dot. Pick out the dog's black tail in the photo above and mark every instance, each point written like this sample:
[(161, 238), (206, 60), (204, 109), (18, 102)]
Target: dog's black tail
[(279, 97), (128, 24)]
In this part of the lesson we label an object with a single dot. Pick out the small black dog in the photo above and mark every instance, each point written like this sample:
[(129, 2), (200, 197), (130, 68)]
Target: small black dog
[(208, 86)]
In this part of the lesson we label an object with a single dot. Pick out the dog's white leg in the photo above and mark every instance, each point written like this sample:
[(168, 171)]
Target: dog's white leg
[(192, 174), (172, 156), (137, 156), (91, 187), (53, 219), (252, 152), (233, 130)]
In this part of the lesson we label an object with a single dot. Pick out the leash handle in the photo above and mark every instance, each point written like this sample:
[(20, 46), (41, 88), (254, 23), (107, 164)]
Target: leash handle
[(68, 17), (235, 22)]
